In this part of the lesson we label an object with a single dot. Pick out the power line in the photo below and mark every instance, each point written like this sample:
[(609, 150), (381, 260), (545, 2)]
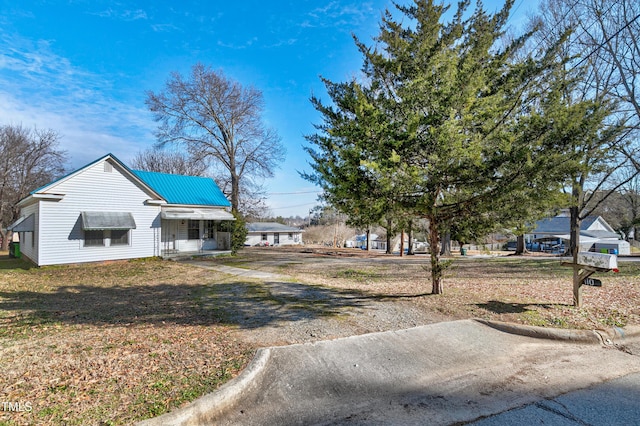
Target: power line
[(294, 193), (290, 207)]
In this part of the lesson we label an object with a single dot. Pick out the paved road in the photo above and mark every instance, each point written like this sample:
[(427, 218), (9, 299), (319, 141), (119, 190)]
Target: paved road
[(612, 403), (440, 374)]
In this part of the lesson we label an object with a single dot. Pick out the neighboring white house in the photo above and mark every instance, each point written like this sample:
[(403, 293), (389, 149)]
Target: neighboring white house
[(360, 241), (106, 211), (272, 234), (595, 235)]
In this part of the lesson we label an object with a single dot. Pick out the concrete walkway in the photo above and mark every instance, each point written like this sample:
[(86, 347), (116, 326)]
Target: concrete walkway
[(439, 374)]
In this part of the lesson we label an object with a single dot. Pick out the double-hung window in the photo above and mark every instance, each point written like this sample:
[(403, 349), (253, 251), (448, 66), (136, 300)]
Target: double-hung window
[(94, 238), (193, 229), (119, 237)]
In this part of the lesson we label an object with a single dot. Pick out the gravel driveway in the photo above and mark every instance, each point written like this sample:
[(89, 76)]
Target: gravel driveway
[(275, 310), (305, 295)]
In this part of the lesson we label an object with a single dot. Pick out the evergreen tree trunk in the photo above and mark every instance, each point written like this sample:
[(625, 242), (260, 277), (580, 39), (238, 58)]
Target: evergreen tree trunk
[(368, 239), (434, 245), (389, 225), (410, 236), (521, 248), (445, 250)]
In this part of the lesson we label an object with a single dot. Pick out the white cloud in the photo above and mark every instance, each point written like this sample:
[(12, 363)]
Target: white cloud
[(336, 14), (39, 88), (164, 28), (125, 14), (246, 44)]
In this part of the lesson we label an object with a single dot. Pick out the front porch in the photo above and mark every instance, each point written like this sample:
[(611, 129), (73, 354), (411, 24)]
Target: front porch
[(194, 235)]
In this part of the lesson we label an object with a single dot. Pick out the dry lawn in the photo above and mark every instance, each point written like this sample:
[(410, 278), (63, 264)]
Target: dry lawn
[(119, 342), (527, 290), (109, 343)]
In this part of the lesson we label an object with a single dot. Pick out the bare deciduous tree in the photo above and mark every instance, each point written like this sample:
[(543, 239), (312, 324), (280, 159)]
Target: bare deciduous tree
[(28, 160), (216, 117), (173, 162), (602, 49)]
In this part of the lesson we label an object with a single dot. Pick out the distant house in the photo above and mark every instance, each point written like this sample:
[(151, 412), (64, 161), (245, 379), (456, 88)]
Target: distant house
[(106, 211), (595, 235), (272, 234), (360, 241)]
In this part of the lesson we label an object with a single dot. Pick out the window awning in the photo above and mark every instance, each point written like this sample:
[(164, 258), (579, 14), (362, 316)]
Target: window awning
[(94, 221), (196, 214), (24, 224)]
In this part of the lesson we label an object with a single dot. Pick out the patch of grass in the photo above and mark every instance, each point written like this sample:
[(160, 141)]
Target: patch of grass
[(559, 322), (628, 269), (533, 317), (356, 274), (614, 319), (351, 273), (13, 264)]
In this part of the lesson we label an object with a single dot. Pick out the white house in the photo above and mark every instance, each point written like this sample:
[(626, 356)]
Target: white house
[(595, 235), (272, 234), (360, 241), (106, 211)]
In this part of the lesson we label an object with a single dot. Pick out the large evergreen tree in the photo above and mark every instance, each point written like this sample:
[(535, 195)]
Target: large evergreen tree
[(443, 122)]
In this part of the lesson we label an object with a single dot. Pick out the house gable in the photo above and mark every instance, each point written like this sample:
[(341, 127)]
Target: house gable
[(55, 190)]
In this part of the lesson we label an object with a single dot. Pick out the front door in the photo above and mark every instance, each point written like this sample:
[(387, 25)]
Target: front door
[(169, 231), (276, 238), (209, 241)]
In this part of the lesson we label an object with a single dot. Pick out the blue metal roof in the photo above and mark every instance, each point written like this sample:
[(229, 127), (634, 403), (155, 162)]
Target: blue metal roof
[(188, 190)]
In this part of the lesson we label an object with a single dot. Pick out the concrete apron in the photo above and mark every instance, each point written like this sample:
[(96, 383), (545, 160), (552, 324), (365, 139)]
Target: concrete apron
[(437, 374)]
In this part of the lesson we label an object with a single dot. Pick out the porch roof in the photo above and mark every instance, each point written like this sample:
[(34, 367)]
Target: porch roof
[(195, 214)]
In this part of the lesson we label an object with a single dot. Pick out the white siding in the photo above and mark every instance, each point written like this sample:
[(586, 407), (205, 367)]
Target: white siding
[(29, 247), (256, 238), (599, 226), (183, 243), (253, 239), (61, 238)]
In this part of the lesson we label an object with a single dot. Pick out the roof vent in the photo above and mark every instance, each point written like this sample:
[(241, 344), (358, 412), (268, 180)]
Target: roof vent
[(108, 168)]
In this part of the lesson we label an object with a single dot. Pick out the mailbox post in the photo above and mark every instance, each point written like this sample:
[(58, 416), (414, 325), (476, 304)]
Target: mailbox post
[(587, 264)]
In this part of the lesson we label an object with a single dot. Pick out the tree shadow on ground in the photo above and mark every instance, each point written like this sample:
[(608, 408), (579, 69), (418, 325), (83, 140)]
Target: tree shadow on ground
[(498, 307), (245, 304), (253, 305), (7, 262)]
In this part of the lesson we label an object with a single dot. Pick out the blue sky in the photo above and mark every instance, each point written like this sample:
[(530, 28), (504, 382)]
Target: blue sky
[(82, 67)]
